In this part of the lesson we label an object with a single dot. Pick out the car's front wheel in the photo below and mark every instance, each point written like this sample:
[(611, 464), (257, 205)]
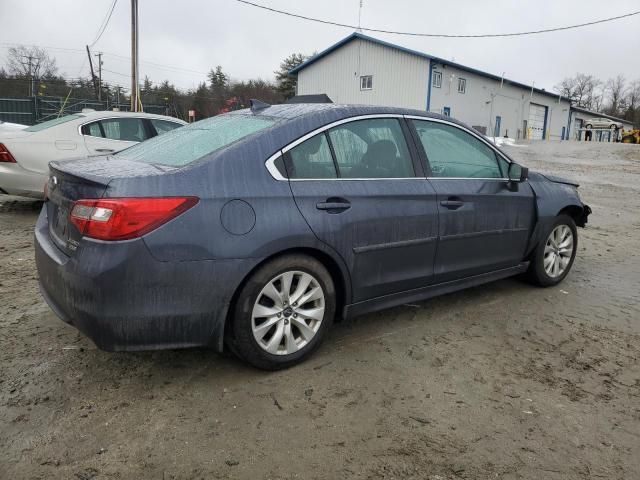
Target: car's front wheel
[(553, 257), (283, 312)]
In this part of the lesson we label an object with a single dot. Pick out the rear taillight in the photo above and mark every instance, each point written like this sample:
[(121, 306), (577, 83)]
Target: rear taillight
[(126, 218), (5, 155)]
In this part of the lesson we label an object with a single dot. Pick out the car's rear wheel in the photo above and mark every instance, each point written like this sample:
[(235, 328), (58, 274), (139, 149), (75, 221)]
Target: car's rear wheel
[(554, 256), (283, 312)]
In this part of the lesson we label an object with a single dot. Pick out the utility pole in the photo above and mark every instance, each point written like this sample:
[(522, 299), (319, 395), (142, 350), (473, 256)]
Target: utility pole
[(135, 102), (30, 63), (93, 75), (99, 55)]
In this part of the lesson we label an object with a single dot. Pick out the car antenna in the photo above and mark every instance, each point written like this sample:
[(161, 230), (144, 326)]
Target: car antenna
[(257, 105)]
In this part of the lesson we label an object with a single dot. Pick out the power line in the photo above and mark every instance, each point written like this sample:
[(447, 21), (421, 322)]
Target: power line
[(105, 22), (440, 35), (124, 57)]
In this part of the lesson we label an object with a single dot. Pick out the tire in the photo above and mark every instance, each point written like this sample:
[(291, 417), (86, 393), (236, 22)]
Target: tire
[(546, 250), (281, 339)]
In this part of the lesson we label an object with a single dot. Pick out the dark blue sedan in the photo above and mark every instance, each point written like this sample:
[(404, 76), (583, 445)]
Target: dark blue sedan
[(255, 229)]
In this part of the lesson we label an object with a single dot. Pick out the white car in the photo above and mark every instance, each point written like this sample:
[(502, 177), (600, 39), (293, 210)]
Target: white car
[(602, 122), (25, 154)]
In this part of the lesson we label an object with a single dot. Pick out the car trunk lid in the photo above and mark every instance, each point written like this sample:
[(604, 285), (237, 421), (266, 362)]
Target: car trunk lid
[(86, 178), (63, 189)]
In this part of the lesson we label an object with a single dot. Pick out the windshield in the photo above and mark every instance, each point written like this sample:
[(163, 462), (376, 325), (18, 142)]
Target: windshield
[(51, 123), (188, 144)]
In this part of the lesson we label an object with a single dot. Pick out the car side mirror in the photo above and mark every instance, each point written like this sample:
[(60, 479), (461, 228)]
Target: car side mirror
[(517, 173)]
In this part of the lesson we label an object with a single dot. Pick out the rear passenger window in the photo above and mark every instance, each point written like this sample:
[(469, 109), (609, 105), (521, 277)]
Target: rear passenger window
[(92, 129), (454, 153), (374, 148), (311, 159), (126, 129)]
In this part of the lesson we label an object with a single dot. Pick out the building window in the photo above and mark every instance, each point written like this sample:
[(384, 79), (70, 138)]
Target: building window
[(366, 82), (462, 85), (437, 79)]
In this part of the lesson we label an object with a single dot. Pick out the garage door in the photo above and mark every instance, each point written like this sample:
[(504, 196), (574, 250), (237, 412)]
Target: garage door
[(537, 114)]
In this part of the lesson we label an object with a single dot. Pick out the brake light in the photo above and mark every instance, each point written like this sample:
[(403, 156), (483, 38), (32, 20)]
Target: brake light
[(5, 155), (126, 218)]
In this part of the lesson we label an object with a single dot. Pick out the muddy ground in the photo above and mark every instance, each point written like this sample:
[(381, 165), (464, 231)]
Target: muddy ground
[(501, 381)]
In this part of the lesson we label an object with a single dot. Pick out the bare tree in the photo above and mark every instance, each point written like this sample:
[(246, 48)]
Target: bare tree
[(615, 89), (30, 62), (581, 89)]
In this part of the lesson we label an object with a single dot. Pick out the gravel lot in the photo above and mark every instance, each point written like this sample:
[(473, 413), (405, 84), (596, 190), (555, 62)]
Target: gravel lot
[(501, 381)]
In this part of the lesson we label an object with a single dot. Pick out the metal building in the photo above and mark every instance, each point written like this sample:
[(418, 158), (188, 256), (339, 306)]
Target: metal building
[(580, 118), (364, 70)]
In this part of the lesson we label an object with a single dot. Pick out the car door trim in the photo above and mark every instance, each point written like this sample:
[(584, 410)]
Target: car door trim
[(273, 171), (501, 231), (403, 243)]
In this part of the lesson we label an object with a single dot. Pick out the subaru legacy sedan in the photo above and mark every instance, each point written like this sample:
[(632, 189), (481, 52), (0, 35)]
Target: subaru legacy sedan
[(254, 230)]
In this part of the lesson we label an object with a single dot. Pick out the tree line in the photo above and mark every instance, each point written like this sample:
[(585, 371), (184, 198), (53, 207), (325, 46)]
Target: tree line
[(616, 96), (33, 71)]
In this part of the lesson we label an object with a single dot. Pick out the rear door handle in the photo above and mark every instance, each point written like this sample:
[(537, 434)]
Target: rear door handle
[(452, 204), (105, 150), (334, 205)]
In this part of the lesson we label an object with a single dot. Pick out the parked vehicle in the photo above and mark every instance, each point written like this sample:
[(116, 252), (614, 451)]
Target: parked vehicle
[(26, 153), (254, 229), (8, 126), (602, 122)]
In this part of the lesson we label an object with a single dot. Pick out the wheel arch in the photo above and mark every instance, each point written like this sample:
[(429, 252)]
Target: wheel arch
[(576, 212), (334, 265)]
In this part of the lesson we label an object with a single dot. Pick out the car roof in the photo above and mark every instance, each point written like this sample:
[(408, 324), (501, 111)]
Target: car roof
[(324, 113), (302, 110)]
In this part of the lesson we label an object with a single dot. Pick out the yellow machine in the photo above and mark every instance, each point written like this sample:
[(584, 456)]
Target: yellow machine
[(632, 136)]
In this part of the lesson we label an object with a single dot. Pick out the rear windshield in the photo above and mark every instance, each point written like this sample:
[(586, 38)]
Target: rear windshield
[(51, 123), (187, 144)]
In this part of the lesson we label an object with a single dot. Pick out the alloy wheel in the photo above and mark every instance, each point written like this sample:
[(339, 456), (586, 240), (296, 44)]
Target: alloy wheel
[(288, 312), (558, 251)]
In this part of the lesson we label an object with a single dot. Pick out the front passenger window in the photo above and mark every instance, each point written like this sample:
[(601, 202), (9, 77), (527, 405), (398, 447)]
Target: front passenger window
[(454, 153)]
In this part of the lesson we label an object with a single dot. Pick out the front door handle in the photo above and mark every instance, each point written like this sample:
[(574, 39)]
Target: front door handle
[(334, 205), (105, 150), (452, 204)]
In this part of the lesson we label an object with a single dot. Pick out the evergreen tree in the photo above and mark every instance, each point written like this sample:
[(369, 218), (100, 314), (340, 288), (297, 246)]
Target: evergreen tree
[(285, 83)]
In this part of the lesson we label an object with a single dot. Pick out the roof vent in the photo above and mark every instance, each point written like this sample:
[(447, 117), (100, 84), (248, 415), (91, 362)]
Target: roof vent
[(257, 105)]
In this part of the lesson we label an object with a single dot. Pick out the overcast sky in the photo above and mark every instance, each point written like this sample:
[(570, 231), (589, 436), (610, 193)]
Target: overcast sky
[(188, 37)]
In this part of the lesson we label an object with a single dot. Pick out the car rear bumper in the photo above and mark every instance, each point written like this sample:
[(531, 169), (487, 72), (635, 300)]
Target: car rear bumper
[(121, 297), (15, 180)]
